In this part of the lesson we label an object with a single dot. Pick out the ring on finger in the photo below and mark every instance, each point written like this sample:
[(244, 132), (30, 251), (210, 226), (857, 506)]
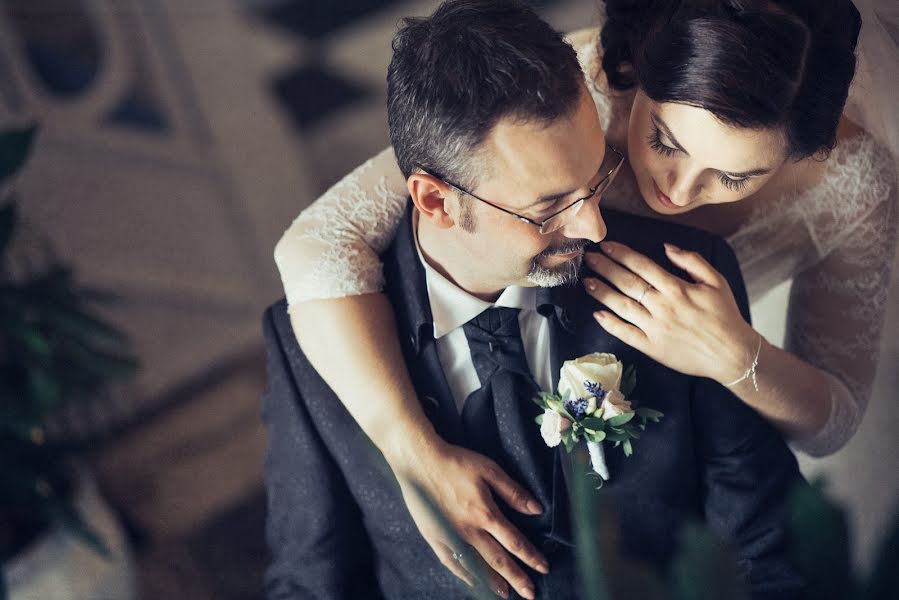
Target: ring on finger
[(643, 294), (463, 554)]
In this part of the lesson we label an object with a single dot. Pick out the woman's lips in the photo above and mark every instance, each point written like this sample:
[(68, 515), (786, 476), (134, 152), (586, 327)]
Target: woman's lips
[(663, 199)]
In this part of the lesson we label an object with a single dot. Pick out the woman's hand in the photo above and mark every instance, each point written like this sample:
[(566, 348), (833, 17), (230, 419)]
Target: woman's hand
[(458, 483), (694, 328)]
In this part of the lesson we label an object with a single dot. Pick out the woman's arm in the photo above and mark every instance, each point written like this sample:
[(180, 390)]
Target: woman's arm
[(328, 260), (816, 391), (835, 321)]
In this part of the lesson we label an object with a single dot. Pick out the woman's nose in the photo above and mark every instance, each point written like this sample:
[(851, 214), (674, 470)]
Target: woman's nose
[(682, 187)]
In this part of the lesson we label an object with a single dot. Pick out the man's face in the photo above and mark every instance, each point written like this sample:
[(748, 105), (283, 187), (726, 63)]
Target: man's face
[(534, 170)]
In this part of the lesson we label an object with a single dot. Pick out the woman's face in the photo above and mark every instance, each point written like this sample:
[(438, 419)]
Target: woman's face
[(683, 157)]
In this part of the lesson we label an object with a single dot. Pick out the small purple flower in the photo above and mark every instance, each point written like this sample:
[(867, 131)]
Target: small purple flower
[(576, 408), (594, 389)]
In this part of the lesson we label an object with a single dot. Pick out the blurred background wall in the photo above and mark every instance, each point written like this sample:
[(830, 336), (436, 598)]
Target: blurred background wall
[(178, 139)]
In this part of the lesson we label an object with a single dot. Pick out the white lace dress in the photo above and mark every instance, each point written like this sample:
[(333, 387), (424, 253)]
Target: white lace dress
[(836, 241)]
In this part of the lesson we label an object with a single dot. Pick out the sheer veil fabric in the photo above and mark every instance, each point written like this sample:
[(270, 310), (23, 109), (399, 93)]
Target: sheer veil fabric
[(865, 474)]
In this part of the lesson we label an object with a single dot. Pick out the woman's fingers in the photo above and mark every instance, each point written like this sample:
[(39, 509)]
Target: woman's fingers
[(506, 533), (499, 561), (628, 283), (624, 306), (512, 540), (627, 333), (691, 262), (445, 554), (642, 266), (513, 494)]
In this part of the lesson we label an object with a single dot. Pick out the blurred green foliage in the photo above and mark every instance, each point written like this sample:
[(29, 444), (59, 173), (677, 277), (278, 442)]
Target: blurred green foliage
[(53, 351)]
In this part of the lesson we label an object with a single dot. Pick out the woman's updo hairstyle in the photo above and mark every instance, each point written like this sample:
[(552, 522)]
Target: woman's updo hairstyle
[(752, 63)]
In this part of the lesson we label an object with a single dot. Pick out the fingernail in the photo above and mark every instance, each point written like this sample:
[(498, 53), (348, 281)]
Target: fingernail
[(543, 568), (534, 507), (599, 315), (527, 592), (504, 592), (590, 284), (672, 248)]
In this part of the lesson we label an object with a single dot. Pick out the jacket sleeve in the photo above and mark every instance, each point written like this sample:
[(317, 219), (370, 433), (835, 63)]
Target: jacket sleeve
[(747, 471), (319, 547)]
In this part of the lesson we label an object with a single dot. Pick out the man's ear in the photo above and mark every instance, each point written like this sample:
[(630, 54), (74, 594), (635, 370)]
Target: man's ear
[(430, 196)]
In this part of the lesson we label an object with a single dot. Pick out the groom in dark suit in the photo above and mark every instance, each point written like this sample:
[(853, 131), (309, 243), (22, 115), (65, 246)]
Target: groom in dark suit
[(506, 162)]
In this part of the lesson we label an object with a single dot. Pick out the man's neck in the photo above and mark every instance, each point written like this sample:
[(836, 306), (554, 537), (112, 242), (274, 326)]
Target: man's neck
[(445, 259)]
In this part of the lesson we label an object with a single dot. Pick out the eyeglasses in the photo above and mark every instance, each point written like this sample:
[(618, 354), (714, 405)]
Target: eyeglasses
[(611, 164)]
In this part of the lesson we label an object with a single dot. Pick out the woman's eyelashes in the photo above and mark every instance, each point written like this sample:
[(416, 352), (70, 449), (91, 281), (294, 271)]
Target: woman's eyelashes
[(736, 185), (656, 143)]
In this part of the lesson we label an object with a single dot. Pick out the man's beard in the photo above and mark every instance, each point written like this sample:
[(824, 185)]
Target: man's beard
[(563, 274)]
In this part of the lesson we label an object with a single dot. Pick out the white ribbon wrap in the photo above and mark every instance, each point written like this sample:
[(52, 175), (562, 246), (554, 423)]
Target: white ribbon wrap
[(598, 459)]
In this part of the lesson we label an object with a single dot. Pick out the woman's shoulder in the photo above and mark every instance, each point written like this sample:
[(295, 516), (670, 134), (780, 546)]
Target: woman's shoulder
[(609, 102), (589, 53), (583, 39)]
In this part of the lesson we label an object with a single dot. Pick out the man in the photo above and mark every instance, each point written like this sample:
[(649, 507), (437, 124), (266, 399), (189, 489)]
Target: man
[(505, 162)]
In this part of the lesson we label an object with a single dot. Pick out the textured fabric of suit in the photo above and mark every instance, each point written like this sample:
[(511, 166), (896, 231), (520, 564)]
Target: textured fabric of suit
[(337, 522), (499, 417)]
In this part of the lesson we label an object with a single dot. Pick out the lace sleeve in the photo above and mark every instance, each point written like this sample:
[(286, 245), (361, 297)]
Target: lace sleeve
[(331, 249), (837, 306)]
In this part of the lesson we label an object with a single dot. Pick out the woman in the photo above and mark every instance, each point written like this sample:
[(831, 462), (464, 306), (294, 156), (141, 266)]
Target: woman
[(683, 87)]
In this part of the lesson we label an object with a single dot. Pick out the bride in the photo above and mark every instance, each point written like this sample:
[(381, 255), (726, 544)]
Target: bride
[(818, 208)]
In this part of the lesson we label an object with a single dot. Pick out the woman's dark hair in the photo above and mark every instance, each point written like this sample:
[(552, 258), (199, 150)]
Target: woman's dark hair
[(752, 63), (455, 74)]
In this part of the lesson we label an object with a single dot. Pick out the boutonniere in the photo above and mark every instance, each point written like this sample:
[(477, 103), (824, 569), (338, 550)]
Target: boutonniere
[(591, 404)]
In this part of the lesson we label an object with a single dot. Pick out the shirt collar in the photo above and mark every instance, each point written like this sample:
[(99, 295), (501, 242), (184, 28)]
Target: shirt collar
[(452, 307)]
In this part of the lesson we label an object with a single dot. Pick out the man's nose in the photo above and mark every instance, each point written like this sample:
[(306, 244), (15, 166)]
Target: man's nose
[(588, 224)]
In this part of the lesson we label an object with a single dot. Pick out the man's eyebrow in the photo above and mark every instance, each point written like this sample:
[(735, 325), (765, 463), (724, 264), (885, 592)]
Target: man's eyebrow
[(664, 127), (561, 195), (657, 120)]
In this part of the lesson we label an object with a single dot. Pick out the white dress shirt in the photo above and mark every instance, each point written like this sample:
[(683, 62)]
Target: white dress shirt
[(452, 307)]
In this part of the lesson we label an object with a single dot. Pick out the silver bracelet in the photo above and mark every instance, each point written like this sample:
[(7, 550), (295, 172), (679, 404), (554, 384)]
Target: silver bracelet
[(750, 372)]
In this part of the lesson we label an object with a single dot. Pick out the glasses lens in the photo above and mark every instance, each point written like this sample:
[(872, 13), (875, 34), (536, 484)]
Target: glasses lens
[(610, 163), (558, 221)]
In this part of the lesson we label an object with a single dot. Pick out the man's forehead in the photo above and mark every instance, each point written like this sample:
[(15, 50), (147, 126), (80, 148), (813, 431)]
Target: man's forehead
[(536, 160)]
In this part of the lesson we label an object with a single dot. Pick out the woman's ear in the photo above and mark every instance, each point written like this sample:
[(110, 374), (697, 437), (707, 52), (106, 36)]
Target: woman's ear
[(430, 196)]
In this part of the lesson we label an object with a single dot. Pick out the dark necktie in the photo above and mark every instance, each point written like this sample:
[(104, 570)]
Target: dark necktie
[(499, 417)]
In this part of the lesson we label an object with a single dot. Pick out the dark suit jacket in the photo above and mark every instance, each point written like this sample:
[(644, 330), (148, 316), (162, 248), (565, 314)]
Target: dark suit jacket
[(338, 526)]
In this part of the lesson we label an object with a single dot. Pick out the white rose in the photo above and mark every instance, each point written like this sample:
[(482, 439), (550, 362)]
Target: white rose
[(598, 367), (591, 405), (552, 427), (615, 404)]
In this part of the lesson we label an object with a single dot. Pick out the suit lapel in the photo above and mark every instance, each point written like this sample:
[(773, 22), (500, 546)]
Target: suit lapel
[(408, 292)]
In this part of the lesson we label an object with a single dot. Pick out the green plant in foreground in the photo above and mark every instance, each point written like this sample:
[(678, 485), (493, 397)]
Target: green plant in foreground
[(704, 568), (53, 351)]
